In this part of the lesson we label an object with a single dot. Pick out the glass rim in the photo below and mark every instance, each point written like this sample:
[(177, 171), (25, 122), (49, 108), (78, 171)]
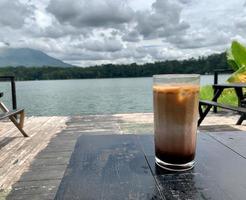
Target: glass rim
[(176, 76)]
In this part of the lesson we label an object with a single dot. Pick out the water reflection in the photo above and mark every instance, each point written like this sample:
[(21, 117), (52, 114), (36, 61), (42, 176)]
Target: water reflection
[(178, 185)]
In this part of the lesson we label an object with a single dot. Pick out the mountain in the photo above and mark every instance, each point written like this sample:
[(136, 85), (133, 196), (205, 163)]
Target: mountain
[(28, 57)]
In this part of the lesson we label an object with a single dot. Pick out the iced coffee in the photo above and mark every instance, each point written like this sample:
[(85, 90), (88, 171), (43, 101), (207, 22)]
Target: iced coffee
[(175, 123)]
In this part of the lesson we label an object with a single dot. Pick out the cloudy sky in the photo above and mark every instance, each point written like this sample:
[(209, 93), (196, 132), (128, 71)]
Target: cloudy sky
[(90, 32)]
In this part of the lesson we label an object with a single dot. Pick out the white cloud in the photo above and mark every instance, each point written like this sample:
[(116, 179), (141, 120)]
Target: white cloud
[(131, 36), (107, 45), (93, 13), (13, 13), (122, 31), (212, 24), (162, 20)]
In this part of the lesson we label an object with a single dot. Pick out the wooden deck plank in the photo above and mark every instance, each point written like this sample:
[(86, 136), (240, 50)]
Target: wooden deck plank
[(50, 162), (64, 154), (38, 188), (17, 152), (21, 153), (31, 126), (44, 173), (48, 166), (10, 130), (14, 146), (44, 195)]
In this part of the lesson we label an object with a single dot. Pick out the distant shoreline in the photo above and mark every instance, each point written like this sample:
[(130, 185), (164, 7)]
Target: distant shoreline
[(202, 65)]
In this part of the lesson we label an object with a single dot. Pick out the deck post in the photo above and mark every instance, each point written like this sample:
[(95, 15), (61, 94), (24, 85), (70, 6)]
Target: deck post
[(14, 102), (215, 82), (13, 89)]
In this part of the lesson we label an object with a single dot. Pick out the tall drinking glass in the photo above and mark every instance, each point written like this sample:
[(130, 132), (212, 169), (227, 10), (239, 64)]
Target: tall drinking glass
[(175, 99)]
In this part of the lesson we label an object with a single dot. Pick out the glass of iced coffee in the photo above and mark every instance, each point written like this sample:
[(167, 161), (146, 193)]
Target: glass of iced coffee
[(175, 98)]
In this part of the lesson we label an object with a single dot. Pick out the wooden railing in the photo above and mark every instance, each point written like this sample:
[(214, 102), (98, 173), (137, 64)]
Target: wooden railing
[(220, 71), (13, 89), (216, 76)]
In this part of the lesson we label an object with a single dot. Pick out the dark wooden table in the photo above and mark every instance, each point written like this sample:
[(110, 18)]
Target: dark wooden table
[(122, 167)]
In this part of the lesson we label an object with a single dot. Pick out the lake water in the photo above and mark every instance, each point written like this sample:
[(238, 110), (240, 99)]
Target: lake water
[(86, 96)]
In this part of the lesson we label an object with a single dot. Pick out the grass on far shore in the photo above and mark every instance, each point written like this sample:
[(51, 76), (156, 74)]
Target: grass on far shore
[(227, 97)]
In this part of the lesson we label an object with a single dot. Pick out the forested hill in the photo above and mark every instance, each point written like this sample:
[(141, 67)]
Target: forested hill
[(28, 57), (202, 65)]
